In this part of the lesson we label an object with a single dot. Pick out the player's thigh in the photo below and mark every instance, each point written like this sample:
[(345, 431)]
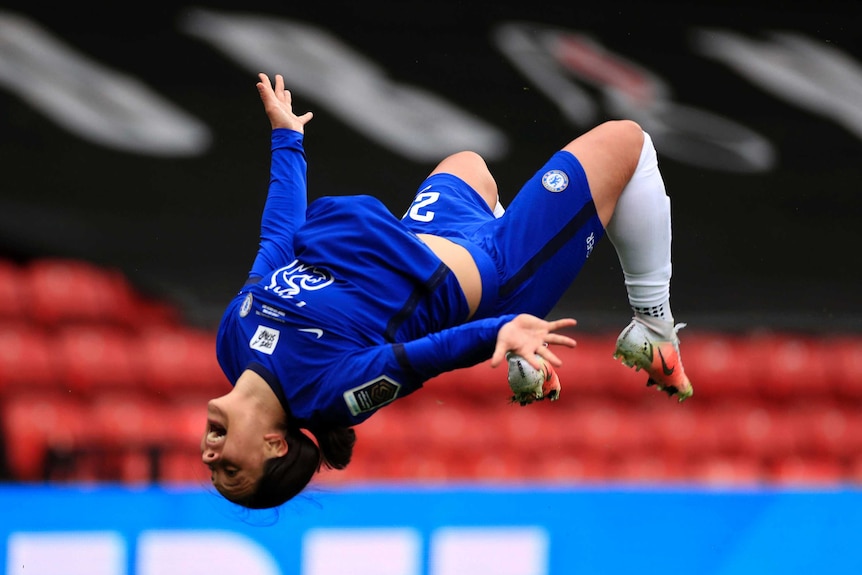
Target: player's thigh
[(545, 236), (472, 169), (609, 155), (446, 205)]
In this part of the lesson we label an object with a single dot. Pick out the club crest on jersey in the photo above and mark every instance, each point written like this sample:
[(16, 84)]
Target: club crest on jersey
[(371, 395), (555, 181), (264, 340), (296, 277), (246, 306)]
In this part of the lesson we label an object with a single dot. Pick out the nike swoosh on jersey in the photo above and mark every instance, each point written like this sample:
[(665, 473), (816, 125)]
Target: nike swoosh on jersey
[(313, 330)]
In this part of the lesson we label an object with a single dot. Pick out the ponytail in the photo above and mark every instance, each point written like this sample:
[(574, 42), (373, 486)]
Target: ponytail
[(336, 446), (286, 476)]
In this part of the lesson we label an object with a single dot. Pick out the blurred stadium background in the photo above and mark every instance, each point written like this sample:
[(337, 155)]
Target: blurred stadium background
[(134, 168)]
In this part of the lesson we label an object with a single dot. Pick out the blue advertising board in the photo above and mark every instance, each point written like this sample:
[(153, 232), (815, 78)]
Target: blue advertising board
[(416, 530)]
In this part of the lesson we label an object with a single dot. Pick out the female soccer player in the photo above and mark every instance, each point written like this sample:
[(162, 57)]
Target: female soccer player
[(347, 308)]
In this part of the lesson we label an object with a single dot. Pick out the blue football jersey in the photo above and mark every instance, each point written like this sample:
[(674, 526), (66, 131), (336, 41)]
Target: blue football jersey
[(346, 309)]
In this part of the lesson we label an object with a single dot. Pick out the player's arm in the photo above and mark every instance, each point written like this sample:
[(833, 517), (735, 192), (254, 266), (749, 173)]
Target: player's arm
[(366, 380), (287, 199), (474, 342)]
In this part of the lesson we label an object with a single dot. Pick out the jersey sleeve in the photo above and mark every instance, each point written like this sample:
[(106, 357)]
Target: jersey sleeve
[(286, 202), (374, 377), (454, 348)]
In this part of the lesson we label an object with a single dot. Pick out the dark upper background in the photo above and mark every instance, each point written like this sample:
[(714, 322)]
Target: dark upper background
[(776, 249)]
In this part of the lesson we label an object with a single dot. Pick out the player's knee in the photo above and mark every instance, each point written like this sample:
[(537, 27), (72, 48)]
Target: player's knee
[(626, 135), (471, 167), (462, 162), (629, 133), (625, 138)]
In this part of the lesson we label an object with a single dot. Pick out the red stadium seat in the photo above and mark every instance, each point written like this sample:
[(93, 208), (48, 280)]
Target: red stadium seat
[(388, 426), (371, 461), (843, 364), (730, 429), (446, 424), (648, 468), (27, 359), (720, 366), (807, 471), (827, 428), (183, 466), (605, 427), (176, 362), (589, 370), (12, 302), (96, 358), (555, 466), (675, 429), (729, 471), (480, 384), (492, 465), (853, 470), (127, 421), (790, 367), (126, 435), (33, 424), (61, 290), (425, 465), (183, 423), (754, 428), (527, 427)]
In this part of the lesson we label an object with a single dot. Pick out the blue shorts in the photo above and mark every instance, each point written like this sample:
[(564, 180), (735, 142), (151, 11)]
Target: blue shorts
[(530, 256)]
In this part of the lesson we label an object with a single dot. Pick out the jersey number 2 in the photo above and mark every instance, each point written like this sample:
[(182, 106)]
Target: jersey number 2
[(418, 211)]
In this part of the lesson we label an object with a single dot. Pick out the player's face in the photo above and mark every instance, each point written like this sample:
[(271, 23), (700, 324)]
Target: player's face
[(234, 448)]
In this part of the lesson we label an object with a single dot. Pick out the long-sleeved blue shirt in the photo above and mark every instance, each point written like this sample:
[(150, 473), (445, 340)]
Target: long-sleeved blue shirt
[(346, 310)]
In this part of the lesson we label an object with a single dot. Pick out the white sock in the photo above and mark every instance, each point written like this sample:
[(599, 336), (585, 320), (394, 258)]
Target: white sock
[(640, 230)]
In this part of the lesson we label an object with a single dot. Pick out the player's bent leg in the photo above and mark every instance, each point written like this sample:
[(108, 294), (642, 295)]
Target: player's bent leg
[(640, 230), (470, 167), (609, 155)]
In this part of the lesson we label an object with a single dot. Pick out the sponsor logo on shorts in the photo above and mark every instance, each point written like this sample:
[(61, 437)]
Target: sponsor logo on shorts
[(555, 181), (371, 395), (264, 340)]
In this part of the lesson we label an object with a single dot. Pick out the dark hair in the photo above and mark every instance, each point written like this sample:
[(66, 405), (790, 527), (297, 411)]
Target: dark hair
[(286, 476)]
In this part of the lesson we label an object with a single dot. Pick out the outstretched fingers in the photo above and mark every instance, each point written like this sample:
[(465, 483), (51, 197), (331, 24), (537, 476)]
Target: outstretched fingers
[(278, 104), (263, 85), (528, 336)]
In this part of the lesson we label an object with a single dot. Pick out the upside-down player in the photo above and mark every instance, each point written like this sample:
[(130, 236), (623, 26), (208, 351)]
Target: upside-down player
[(347, 308)]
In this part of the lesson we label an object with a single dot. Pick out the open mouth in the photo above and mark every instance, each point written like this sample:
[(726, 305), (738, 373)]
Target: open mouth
[(215, 431)]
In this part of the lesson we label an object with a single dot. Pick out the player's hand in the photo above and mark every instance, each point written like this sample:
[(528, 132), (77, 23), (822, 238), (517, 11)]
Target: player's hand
[(528, 336), (278, 105)]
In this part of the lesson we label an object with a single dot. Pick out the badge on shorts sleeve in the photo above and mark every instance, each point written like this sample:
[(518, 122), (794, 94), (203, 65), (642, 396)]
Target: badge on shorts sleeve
[(371, 395), (555, 181)]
